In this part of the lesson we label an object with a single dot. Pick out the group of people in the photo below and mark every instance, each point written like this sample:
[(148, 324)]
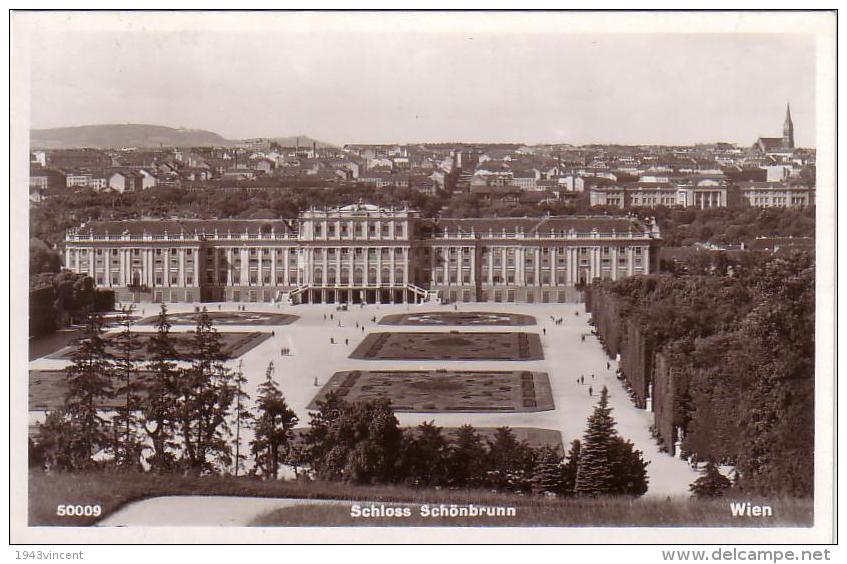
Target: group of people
[(581, 381)]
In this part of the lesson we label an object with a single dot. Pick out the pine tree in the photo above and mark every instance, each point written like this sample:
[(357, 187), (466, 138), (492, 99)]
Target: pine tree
[(608, 464), (571, 467), (163, 392), (711, 482), (510, 461), (548, 474), (206, 394), (274, 424), (89, 380), (594, 473), (242, 414), (127, 445)]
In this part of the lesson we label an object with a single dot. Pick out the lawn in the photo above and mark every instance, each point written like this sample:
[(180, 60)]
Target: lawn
[(228, 318), (537, 511), (444, 391), (454, 345), (113, 491), (470, 318), (234, 344)]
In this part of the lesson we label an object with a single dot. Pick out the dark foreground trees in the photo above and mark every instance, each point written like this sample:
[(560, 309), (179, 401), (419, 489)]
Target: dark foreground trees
[(71, 436)]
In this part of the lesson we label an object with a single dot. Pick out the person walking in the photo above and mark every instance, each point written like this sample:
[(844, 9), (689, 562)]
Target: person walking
[(544, 331), (590, 391)]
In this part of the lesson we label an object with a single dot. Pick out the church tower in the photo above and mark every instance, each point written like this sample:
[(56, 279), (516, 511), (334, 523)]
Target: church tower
[(788, 130)]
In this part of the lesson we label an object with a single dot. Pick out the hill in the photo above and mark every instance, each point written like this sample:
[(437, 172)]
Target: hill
[(142, 136), (118, 136)]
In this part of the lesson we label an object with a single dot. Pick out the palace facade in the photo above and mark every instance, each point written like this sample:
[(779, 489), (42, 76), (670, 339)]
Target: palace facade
[(360, 253)]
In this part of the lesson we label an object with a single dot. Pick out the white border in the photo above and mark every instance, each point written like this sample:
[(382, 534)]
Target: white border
[(820, 24)]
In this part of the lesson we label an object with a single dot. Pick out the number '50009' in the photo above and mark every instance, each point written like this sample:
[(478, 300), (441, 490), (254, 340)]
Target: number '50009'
[(78, 510)]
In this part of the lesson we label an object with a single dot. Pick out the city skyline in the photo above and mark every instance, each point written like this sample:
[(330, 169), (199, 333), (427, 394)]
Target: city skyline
[(637, 89)]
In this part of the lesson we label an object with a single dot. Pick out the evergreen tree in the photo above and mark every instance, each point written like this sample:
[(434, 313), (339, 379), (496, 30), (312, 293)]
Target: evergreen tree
[(127, 445), (466, 459), (548, 475), (273, 428), (89, 378), (571, 467), (242, 414), (510, 461), (206, 395), (711, 482), (163, 392), (629, 470), (607, 463), (594, 473)]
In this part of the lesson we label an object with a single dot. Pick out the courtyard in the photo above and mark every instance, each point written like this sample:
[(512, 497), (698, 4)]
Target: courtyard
[(311, 360)]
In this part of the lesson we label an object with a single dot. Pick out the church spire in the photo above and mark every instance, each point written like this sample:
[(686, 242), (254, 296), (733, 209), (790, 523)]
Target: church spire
[(788, 129)]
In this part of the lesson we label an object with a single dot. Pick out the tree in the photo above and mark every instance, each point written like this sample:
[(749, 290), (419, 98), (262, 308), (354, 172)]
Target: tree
[(510, 461), (571, 467), (206, 395), (711, 482), (629, 470), (316, 439), (607, 463), (274, 425), (78, 432), (548, 475), (163, 392), (42, 258), (359, 443), (425, 454), (242, 414), (466, 458), (594, 473), (127, 445)]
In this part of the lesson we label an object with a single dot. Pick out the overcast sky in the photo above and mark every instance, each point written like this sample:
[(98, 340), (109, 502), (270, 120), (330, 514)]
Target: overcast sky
[(405, 87)]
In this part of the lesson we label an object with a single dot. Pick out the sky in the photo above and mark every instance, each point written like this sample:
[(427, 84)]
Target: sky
[(387, 87)]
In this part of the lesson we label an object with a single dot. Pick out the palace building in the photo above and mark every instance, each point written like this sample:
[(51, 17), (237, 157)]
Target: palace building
[(360, 253)]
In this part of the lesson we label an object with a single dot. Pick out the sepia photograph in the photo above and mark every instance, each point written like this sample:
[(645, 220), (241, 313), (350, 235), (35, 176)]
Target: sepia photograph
[(431, 277)]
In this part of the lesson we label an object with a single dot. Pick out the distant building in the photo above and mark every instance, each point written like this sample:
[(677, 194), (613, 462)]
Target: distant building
[(779, 145), (776, 194), (125, 181)]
